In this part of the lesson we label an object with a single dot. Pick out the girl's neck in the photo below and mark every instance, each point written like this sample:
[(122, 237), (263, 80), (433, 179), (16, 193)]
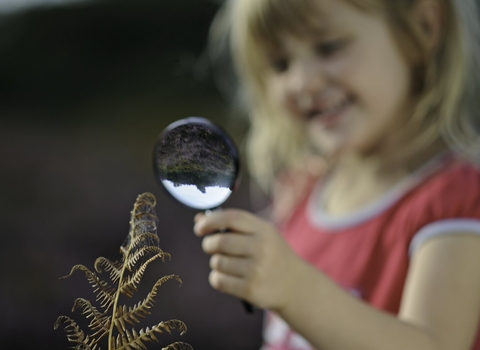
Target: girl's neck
[(356, 181)]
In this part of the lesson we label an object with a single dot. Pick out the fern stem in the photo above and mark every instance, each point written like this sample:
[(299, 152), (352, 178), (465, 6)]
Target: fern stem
[(111, 340)]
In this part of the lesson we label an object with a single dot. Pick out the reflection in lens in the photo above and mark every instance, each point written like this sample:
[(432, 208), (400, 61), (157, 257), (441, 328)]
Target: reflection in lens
[(190, 195), (196, 163)]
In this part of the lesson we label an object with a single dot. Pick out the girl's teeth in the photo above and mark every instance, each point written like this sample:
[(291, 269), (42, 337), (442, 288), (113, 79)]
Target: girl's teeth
[(331, 109), (334, 108)]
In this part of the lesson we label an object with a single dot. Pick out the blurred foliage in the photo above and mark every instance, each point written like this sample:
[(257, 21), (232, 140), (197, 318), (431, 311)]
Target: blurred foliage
[(55, 57), (194, 154)]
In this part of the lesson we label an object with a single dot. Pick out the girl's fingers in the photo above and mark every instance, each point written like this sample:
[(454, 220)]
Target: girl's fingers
[(198, 216), (229, 284), (236, 220), (228, 244), (228, 265)]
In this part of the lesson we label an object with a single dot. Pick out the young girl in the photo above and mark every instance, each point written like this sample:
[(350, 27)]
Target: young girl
[(380, 249)]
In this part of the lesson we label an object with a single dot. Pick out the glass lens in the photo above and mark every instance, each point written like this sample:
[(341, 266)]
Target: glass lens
[(196, 162)]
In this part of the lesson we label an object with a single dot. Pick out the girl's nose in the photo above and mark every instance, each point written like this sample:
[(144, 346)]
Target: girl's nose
[(307, 78)]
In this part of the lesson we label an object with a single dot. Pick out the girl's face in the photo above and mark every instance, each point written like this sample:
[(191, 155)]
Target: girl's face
[(347, 80)]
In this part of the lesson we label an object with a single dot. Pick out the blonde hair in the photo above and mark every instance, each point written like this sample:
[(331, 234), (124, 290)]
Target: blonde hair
[(447, 83)]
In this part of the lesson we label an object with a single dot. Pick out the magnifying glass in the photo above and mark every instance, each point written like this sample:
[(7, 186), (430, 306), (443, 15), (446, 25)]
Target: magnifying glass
[(197, 163)]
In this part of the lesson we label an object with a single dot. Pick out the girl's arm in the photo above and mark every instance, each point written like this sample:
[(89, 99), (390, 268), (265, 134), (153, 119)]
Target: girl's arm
[(442, 292), (440, 308)]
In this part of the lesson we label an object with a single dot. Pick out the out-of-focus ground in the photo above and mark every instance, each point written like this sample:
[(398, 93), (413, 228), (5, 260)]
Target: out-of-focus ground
[(84, 91)]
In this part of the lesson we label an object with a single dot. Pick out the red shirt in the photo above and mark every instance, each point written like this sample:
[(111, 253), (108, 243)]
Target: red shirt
[(367, 252)]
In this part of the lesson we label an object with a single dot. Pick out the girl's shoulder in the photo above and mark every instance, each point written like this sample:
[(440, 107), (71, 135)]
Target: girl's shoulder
[(446, 203), (457, 183), (451, 193)]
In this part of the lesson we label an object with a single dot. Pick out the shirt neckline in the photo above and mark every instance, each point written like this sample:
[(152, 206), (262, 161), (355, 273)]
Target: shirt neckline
[(321, 219)]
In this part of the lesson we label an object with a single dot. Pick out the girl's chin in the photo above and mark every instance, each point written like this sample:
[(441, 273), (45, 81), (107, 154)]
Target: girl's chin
[(329, 145), (340, 141), (335, 150), (329, 150)]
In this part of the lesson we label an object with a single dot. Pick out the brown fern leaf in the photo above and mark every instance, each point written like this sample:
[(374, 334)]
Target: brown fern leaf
[(113, 268), (130, 285), (134, 340), (131, 252), (74, 333), (100, 321), (84, 347), (140, 310), (140, 248), (143, 218), (143, 252), (143, 222), (105, 293), (178, 346)]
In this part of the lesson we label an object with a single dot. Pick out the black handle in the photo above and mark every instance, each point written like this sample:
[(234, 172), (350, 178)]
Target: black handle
[(248, 307)]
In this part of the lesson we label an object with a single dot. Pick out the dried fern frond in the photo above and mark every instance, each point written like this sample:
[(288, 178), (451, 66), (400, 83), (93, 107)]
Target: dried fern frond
[(110, 319), (178, 346), (75, 334)]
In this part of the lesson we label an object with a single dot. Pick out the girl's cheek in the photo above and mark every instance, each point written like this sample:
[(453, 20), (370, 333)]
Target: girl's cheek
[(276, 90), (292, 110), (283, 100)]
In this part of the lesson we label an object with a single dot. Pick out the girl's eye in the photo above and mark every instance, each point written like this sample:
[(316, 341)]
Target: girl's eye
[(329, 47), (279, 65)]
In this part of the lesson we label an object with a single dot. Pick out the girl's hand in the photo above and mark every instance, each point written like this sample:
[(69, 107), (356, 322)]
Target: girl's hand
[(251, 260)]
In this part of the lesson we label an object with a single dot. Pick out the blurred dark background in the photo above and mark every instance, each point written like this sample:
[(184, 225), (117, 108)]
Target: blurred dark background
[(85, 88)]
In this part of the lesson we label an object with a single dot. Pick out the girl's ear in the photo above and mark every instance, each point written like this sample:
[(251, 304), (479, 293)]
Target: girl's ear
[(429, 17)]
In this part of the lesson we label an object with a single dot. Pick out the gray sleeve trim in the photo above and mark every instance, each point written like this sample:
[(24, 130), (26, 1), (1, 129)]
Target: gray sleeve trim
[(441, 228)]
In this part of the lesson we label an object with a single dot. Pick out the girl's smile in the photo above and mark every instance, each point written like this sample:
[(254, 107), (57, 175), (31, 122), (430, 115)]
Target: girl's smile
[(347, 79), (330, 115)]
